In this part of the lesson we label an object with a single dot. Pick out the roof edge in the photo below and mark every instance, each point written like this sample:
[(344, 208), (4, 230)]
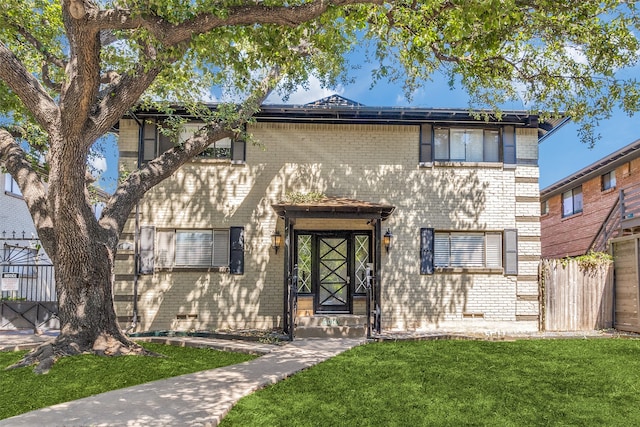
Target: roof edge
[(600, 167)]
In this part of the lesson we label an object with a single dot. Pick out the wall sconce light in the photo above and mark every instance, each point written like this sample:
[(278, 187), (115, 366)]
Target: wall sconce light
[(387, 240), (276, 241)]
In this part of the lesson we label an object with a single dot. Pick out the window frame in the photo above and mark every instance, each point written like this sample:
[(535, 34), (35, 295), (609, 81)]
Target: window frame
[(190, 128), (176, 259), (576, 195), (460, 246), (492, 141), (544, 208), (154, 142), (608, 181), (11, 186)]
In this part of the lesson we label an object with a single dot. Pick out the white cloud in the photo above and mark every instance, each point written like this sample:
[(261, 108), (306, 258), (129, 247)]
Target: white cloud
[(576, 54), (207, 96), (98, 163), (304, 95)]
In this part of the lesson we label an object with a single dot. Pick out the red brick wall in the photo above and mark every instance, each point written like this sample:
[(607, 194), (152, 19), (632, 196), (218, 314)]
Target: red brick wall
[(572, 235)]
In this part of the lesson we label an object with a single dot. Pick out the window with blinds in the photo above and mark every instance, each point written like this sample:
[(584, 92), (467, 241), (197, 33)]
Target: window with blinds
[(466, 145), (458, 249), (192, 248)]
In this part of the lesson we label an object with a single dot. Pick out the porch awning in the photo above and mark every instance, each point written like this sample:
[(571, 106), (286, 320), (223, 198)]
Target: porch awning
[(334, 207)]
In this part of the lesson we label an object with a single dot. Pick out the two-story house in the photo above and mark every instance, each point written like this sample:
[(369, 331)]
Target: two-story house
[(439, 208), (582, 211)]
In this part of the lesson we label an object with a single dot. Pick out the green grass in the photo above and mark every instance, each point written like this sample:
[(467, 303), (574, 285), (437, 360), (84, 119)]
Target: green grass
[(521, 383), (80, 376)]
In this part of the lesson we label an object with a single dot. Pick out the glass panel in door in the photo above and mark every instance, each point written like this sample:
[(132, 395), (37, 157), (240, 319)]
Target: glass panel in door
[(333, 274)]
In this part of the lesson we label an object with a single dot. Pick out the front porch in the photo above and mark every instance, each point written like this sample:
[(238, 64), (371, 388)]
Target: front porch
[(332, 259)]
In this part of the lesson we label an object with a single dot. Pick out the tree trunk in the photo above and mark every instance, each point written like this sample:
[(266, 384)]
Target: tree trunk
[(88, 323), (85, 298), (82, 253)]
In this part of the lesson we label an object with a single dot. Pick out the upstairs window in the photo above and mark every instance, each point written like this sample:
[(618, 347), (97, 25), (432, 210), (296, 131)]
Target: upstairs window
[(544, 207), (572, 201), (609, 180), (457, 144), (220, 149), (466, 145), (154, 143)]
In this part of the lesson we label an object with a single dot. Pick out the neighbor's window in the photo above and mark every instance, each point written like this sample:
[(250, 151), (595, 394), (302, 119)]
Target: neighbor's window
[(466, 145), (460, 249), (11, 186), (609, 180), (572, 201), (544, 207), (192, 248)]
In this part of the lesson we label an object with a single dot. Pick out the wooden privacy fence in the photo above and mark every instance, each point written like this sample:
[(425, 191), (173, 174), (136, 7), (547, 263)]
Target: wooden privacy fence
[(576, 297)]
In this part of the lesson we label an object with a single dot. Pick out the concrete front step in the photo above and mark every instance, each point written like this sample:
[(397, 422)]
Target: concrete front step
[(331, 326), (331, 320)]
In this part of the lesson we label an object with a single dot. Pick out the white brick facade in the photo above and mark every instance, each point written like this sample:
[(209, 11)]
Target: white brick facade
[(377, 163)]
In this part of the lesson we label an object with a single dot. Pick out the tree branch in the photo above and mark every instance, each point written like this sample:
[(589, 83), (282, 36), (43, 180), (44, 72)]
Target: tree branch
[(39, 47), (14, 159), (170, 35), (131, 191), (32, 94), (80, 90), (119, 97), (46, 79)]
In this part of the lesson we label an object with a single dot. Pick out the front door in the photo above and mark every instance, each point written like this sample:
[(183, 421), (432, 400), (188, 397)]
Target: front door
[(331, 268), (332, 290)]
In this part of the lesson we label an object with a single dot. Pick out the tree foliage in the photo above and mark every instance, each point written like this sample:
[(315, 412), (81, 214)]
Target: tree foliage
[(70, 69)]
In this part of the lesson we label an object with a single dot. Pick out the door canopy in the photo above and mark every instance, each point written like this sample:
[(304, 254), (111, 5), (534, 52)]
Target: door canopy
[(334, 207)]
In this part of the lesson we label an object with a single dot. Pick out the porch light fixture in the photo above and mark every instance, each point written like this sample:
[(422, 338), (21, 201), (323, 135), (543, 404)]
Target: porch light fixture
[(276, 241), (387, 240)]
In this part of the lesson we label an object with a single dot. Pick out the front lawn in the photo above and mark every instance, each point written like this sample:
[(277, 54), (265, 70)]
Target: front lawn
[(545, 382), (80, 376)]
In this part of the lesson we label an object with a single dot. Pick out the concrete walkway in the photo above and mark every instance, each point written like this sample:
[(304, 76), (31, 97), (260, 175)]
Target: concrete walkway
[(199, 399)]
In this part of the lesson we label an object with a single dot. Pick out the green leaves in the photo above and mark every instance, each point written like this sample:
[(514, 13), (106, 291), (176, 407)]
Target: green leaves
[(556, 56)]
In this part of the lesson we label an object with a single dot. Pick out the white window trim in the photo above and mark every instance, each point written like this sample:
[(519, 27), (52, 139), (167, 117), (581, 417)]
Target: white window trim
[(574, 210), (611, 180)]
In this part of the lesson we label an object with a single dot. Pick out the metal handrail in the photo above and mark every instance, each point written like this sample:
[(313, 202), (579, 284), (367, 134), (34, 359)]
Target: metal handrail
[(606, 230), (293, 301)]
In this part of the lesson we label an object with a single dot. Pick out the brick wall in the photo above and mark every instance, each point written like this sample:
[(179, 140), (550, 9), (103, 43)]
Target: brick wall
[(572, 235), (374, 163)]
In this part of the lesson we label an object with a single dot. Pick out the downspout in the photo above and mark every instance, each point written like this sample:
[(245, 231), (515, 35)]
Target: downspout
[(136, 235)]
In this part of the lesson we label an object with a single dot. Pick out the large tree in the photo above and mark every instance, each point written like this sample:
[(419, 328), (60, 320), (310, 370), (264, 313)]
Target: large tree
[(70, 69)]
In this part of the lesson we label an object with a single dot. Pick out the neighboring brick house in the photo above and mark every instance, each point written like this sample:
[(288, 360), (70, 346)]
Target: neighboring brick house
[(459, 196), (576, 209)]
